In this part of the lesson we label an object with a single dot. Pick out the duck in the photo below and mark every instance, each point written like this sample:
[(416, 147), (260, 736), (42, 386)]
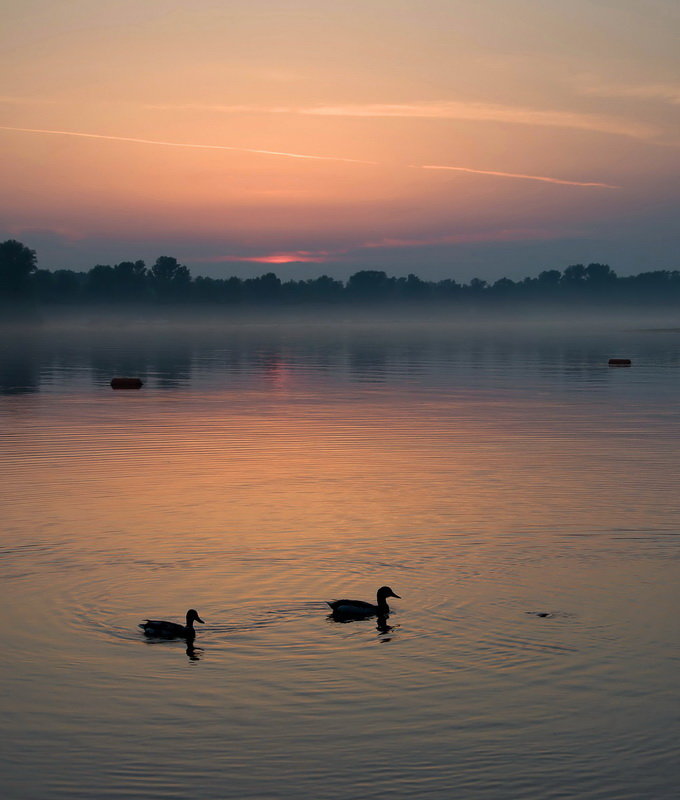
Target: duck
[(360, 608), (172, 630)]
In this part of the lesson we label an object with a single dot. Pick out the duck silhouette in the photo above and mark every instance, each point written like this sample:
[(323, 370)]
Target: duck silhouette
[(349, 609), (172, 630)]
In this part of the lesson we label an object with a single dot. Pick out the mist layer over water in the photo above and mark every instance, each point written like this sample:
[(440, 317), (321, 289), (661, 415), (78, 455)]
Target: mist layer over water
[(517, 492)]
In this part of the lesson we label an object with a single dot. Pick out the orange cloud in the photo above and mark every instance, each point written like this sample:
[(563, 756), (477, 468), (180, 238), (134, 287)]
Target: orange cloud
[(448, 109), (488, 112), (663, 92)]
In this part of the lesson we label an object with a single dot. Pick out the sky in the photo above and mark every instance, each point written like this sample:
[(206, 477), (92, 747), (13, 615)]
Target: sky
[(445, 138)]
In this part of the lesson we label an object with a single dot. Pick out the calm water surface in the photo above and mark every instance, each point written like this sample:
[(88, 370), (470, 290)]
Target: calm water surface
[(261, 472)]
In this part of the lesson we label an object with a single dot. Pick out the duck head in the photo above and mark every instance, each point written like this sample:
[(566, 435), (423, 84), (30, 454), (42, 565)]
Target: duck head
[(192, 615), (384, 592)]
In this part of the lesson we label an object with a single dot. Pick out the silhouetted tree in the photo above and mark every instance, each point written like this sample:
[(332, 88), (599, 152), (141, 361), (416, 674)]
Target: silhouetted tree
[(169, 269), (369, 284), (412, 288), (574, 275), (43, 282), (477, 286), (323, 289), (170, 279), (448, 289), (17, 263), (549, 277), (503, 286), (232, 290), (599, 274), (130, 280), (66, 286), (100, 282), (264, 289)]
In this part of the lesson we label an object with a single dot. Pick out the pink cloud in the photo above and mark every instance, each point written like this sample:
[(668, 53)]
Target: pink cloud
[(299, 256), (323, 256), (513, 235)]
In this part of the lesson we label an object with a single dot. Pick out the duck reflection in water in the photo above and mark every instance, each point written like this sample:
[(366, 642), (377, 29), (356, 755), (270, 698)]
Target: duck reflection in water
[(381, 624), (383, 629), (193, 652)]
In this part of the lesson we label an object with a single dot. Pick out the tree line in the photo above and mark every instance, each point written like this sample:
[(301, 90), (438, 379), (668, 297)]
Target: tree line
[(167, 281)]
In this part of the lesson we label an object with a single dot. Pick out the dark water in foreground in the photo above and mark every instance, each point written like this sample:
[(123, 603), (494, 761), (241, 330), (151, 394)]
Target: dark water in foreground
[(259, 473)]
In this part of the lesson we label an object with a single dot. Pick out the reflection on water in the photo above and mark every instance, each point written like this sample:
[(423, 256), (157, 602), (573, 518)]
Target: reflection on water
[(65, 359), (380, 623), (520, 495)]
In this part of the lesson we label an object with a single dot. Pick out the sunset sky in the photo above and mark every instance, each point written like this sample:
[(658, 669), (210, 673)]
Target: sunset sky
[(441, 137)]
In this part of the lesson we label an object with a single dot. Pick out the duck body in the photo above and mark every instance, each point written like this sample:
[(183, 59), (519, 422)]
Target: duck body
[(360, 608), (162, 629)]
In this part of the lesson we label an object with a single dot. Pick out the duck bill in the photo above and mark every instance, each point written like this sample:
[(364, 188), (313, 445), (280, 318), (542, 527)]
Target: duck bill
[(396, 595), (198, 619)]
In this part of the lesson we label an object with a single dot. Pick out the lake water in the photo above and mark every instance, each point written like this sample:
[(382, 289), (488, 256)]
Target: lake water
[(261, 471)]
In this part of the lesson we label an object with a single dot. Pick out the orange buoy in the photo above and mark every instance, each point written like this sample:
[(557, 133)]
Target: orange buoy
[(619, 362), (126, 383)]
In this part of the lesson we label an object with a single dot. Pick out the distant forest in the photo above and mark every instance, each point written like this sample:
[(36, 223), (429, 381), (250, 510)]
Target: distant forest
[(169, 282)]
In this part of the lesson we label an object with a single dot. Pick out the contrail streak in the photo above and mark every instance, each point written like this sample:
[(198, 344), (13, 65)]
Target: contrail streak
[(183, 144), (303, 156), (517, 175)]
